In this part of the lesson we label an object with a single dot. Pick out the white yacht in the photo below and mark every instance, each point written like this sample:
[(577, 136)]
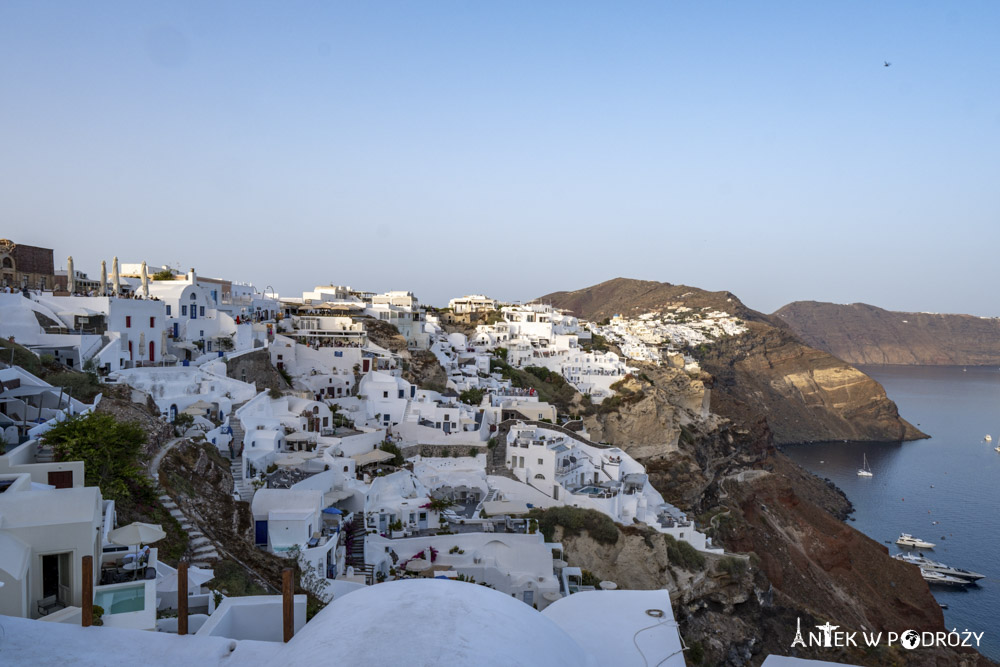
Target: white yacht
[(911, 542), (934, 566), (988, 438), (933, 577), (864, 470)]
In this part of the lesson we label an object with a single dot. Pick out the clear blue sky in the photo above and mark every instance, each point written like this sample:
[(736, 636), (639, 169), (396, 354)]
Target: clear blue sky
[(515, 148)]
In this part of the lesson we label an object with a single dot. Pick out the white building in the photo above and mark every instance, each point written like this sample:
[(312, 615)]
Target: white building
[(472, 303), (575, 472)]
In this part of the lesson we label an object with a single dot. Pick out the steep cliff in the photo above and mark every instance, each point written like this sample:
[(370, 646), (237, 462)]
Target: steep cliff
[(804, 560), (805, 394), (863, 334)]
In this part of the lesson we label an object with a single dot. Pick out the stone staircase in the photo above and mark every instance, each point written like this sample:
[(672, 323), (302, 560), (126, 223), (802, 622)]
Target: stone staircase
[(44, 454), (356, 549), (492, 495), (406, 412), (204, 554), (243, 487), (238, 433)]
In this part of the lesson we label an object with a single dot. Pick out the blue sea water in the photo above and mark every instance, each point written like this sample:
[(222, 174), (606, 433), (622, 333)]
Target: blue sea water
[(952, 478)]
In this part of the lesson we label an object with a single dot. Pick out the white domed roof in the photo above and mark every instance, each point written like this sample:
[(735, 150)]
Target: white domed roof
[(432, 622)]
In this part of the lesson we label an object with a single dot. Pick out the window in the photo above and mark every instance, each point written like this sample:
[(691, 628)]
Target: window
[(168, 311), (541, 462), (202, 309), (184, 311), (326, 421), (152, 323), (128, 321), (338, 353), (539, 476), (385, 394)]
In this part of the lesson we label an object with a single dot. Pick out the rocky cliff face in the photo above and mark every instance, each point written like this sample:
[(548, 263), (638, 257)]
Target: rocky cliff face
[(805, 394), (863, 334), (804, 560)]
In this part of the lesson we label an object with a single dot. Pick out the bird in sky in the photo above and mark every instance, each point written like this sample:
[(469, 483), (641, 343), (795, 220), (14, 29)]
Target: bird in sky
[(887, 63)]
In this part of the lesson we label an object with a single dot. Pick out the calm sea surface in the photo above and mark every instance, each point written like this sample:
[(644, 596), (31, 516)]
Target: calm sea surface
[(944, 490)]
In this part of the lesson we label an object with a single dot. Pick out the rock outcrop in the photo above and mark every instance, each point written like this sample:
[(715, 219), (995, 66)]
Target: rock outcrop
[(863, 334), (805, 394)]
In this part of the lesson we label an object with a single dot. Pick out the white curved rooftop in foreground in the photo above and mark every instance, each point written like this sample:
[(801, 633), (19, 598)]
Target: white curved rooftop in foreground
[(418, 622)]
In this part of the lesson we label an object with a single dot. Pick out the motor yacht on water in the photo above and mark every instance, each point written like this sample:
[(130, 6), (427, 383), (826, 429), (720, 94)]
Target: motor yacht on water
[(934, 566), (911, 542)]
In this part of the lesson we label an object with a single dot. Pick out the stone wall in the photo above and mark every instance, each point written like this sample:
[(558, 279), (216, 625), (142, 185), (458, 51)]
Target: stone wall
[(256, 367)]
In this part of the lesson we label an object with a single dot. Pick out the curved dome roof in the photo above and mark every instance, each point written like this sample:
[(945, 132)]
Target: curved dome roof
[(432, 622)]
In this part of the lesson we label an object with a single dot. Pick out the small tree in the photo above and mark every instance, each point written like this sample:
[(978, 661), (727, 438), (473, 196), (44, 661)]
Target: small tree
[(163, 274), (389, 446), (182, 422), (110, 451), (311, 580), (472, 396)]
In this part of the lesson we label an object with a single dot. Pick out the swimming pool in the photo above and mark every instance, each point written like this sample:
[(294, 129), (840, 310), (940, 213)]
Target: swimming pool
[(591, 490), (122, 600)]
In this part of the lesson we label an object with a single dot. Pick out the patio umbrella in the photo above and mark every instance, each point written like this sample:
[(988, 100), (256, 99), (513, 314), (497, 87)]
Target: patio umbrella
[(145, 281), (332, 510), (70, 278), (418, 565), (104, 279), (115, 277), (136, 533)]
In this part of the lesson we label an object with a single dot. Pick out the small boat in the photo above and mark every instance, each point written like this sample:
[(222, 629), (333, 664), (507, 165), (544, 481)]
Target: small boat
[(911, 542), (943, 605), (938, 579), (997, 448), (988, 438), (934, 566), (864, 471)]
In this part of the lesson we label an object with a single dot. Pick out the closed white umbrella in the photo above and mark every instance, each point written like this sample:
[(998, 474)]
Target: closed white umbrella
[(197, 577), (115, 277), (70, 277), (104, 279), (145, 281)]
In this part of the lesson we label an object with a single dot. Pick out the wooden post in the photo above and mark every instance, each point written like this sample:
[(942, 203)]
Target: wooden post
[(88, 592), (287, 606), (182, 597)]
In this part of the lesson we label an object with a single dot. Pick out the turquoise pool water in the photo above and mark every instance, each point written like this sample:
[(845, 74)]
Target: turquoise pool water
[(122, 600)]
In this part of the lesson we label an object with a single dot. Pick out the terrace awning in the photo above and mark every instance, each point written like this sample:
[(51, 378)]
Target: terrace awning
[(509, 507), (374, 456)]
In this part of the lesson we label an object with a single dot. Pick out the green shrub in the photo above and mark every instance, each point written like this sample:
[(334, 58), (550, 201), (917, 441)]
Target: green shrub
[(732, 566), (683, 555), (389, 446), (574, 520), (472, 396)]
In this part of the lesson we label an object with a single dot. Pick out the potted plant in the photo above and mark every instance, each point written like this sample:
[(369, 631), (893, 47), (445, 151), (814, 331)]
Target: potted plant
[(396, 528)]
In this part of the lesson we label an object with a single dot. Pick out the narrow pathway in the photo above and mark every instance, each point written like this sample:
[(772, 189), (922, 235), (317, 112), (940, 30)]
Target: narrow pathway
[(200, 546), (154, 466)]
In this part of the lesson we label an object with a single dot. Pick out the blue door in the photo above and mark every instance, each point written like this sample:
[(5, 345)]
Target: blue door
[(260, 533), (176, 330), (194, 312)]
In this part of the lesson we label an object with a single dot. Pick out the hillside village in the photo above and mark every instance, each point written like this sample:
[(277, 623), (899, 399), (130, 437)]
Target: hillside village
[(371, 438)]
